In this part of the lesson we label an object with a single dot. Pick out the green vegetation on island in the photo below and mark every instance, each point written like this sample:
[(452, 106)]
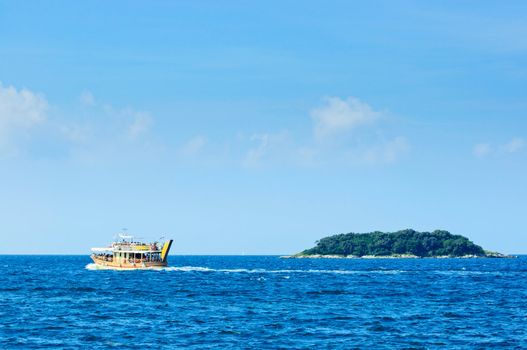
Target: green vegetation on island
[(404, 243)]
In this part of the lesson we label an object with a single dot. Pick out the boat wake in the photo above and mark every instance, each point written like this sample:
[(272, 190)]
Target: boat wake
[(201, 269), (92, 267), (248, 271), (265, 271)]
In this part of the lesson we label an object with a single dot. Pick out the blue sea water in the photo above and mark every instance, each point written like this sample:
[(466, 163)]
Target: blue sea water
[(264, 302)]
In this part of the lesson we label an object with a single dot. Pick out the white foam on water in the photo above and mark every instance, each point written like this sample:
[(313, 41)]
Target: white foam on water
[(465, 272), (187, 268), (94, 267), (264, 271), (91, 267)]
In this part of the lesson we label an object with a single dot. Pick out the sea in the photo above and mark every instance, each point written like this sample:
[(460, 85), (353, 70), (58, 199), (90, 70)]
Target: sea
[(264, 302)]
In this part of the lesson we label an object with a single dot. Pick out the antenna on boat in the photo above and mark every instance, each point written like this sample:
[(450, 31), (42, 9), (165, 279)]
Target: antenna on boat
[(124, 234)]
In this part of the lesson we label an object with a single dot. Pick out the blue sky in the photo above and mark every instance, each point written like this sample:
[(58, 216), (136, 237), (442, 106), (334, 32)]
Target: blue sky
[(259, 127)]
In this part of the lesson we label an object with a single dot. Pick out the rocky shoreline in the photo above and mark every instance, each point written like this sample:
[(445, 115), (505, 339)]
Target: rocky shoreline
[(397, 256)]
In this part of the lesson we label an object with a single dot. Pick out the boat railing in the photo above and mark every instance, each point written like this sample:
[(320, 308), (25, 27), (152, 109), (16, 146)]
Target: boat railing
[(129, 260), (136, 248), (108, 258), (140, 261)]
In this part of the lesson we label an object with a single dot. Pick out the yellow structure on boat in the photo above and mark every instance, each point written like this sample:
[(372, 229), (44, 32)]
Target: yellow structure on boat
[(129, 254)]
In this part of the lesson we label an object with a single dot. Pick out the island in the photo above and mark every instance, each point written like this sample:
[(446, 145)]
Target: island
[(401, 244)]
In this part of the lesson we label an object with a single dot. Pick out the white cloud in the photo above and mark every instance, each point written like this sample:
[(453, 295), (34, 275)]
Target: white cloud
[(140, 124), (387, 152), (393, 149), (338, 115), (482, 149), (74, 132), (307, 156), (267, 144), (193, 146), (255, 154), (20, 110), (514, 145), (86, 98)]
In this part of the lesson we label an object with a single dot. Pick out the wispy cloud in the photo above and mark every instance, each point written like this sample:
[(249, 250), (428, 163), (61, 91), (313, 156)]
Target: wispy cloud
[(105, 127), (340, 116), (140, 124), (20, 109), (514, 145), (102, 126), (358, 144), (133, 123), (377, 152), (263, 145), (255, 154), (193, 146), (86, 98), (266, 146), (482, 149), (75, 133), (337, 115), (388, 152)]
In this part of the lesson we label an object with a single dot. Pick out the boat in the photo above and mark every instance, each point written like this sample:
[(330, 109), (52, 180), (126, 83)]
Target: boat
[(129, 253)]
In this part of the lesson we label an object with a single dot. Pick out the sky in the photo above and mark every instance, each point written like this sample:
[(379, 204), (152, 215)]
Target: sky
[(259, 127)]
